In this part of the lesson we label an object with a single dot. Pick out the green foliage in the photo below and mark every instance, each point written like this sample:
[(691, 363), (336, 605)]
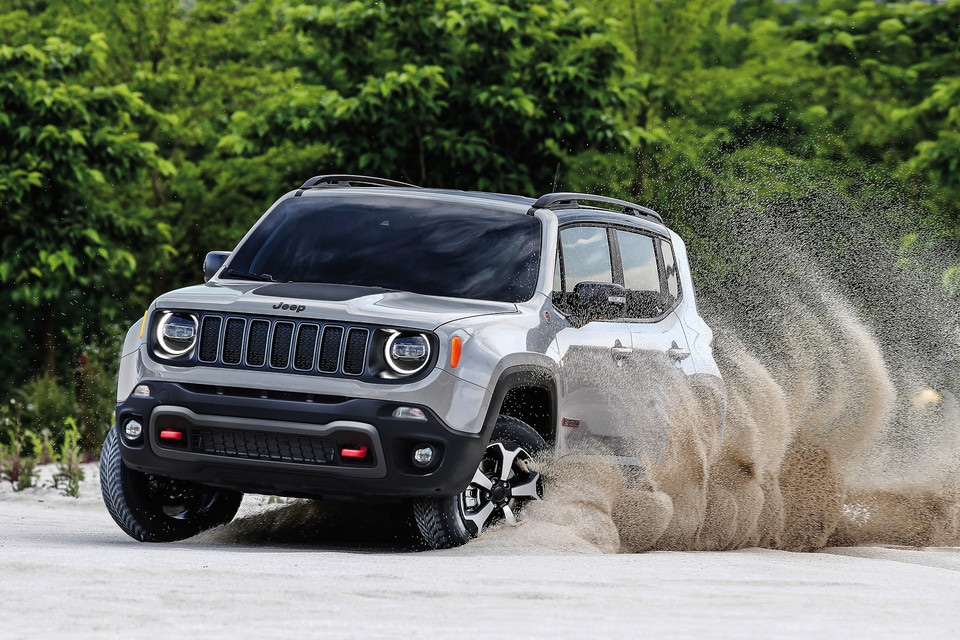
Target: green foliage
[(69, 472), (69, 153), (16, 462), (45, 404), (850, 89)]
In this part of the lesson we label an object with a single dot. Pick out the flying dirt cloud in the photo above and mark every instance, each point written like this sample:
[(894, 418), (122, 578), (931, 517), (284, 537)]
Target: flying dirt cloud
[(839, 423), (837, 429)]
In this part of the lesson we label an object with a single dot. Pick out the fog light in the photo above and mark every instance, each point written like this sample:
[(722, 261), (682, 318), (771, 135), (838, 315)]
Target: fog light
[(141, 391), (424, 456), (132, 429)]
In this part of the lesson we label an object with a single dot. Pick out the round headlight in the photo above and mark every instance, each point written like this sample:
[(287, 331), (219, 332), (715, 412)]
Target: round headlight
[(407, 353), (176, 333)]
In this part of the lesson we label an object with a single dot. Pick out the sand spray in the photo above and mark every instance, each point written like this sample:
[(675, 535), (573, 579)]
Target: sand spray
[(838, 422)]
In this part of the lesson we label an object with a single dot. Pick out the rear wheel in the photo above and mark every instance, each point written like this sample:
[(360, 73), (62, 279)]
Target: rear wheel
[(504, 481), (153, 508)]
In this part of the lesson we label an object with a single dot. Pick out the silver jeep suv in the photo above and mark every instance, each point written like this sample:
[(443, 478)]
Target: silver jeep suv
[(372, 340)]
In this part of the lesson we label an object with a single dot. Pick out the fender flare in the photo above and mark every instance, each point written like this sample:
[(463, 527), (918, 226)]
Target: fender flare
[(521, 376)]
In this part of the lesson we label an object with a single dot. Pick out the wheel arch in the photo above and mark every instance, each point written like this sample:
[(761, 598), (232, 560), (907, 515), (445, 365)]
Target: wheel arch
[(528, 393)]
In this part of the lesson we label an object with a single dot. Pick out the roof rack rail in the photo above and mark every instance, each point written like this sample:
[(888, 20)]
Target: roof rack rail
[(569, 200), (350, 180)]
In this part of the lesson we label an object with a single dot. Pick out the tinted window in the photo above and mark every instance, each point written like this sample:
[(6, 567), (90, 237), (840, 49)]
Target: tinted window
[(649, 274), (639, 260), (670, 264), (586, 256), (432, 248)]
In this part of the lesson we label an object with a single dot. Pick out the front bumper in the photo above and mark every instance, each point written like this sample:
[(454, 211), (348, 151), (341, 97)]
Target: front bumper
[(293, 444)]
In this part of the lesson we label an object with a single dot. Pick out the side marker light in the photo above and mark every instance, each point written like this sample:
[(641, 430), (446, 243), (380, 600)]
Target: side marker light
[(571, 423), (456, 347)]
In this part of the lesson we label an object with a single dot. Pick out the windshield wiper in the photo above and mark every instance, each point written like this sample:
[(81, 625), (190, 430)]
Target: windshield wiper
[(263, 277)]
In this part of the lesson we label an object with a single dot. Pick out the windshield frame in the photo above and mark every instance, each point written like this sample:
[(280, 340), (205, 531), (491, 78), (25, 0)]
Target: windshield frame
[(474, 229)]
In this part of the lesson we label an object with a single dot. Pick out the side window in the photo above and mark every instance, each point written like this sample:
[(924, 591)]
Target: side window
[(639, 259), (649, 274), (670, 270), (586, 256)]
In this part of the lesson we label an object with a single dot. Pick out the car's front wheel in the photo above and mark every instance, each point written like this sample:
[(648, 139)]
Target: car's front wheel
[(153, 508), (503, 482)]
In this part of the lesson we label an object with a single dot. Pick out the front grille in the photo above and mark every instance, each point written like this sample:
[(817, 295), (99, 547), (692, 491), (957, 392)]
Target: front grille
[(283, 345), (262, 445), (330, 349)]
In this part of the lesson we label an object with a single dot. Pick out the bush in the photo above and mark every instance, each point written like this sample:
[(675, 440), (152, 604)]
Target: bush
[(69, 471), (16, 465)]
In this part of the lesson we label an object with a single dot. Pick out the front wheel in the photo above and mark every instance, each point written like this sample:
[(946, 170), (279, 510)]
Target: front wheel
[(503, 482), (157, 509)]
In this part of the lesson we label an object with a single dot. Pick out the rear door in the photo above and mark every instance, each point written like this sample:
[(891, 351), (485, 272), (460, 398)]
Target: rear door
[(649, 275), (591, 356)]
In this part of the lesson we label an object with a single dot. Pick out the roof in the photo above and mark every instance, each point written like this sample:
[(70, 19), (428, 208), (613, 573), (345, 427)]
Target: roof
[(567, 205)]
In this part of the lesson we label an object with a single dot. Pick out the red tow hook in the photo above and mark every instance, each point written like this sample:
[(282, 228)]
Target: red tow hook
[(358, 453), (170, 434)]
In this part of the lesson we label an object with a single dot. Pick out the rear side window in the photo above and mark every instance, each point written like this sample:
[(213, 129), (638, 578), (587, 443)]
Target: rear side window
[(649, 274), (638, 255), (670, 270), (644, 264)]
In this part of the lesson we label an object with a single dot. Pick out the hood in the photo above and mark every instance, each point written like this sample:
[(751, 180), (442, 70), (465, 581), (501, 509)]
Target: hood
[(341, 303)]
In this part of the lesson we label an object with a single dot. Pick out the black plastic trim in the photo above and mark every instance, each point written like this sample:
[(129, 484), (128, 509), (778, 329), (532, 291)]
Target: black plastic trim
[(351, 180), (570, 200), (523, 376), (394, 440)]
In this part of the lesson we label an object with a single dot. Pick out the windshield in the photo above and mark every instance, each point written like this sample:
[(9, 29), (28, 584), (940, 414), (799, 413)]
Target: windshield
[(421, 246)]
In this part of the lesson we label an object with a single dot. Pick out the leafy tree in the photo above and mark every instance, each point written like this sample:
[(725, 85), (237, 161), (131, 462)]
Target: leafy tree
[(261, 94), (70, 159), (485, 95)]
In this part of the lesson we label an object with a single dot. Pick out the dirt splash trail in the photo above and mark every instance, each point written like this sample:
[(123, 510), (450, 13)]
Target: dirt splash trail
[(841, 423)]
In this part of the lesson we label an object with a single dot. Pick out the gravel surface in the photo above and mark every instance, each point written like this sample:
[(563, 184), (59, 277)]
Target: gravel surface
[(288, 569)]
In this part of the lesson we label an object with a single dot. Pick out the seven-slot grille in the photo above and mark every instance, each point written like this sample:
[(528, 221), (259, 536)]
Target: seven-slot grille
[(280, 344)]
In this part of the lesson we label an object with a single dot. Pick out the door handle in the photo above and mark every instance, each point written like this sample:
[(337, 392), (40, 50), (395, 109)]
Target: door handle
[(676, 353), (619, 351)]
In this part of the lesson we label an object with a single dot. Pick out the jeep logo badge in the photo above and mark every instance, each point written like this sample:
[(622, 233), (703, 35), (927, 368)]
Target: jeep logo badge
[(289, 307)]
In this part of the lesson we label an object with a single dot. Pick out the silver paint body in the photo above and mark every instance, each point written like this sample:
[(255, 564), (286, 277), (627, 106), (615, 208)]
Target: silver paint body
[(496, 336)]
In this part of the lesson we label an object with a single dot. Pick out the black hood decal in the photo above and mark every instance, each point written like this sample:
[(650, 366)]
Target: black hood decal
[(316, 291)]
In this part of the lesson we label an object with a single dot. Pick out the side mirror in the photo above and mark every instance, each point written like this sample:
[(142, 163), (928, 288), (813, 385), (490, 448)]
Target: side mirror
[(213, 262), (597, 301)]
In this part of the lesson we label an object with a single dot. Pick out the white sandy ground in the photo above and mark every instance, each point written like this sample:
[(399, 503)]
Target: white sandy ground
[(66, 570)]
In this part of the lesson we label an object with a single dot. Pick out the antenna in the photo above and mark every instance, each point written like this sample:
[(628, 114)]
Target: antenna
[(556, 178)]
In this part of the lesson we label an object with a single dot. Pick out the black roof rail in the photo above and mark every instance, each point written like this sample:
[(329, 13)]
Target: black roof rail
[(350, 180), (568, 200)]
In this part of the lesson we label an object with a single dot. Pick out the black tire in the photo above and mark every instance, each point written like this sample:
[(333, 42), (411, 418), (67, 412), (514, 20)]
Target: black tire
[(156, 509), (497, 492)]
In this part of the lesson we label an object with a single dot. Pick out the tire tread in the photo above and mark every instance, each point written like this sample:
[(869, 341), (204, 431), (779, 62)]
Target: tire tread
[(438, 519)]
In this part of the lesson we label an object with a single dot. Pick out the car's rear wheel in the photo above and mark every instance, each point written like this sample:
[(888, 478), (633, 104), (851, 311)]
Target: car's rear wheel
[(153, 508), (504, 481)]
